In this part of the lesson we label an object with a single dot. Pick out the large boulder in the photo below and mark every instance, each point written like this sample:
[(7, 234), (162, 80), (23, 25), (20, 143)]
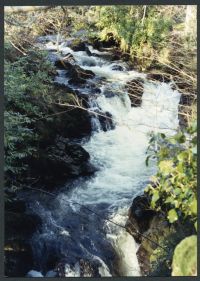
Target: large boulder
[(135, 90), (79, 75), (140, 216), (158, 231), (61, 161)]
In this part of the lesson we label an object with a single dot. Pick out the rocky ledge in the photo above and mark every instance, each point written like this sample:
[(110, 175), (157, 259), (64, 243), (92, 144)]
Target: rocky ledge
[(157, 238), (19, 228)]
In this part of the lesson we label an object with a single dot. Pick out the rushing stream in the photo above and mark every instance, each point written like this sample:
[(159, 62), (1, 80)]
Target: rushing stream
[(70, 231)]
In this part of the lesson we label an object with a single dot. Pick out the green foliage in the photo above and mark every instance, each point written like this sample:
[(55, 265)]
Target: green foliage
[(173, 189), (185, 257), (27, 85), (137, 32)]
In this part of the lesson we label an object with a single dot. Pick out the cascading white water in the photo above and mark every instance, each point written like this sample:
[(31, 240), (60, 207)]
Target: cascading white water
[(120, 153)]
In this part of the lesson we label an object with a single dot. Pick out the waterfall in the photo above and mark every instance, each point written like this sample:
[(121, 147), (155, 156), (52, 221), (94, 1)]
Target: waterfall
[(119, 153)]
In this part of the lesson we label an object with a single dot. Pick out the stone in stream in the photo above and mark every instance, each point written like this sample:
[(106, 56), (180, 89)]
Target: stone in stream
[(161, 77), (61, 161), (108, 93), (79, 75), (80, 46), (106, 121), (76, 74), (64, 63), (135, 90), (117, 67)]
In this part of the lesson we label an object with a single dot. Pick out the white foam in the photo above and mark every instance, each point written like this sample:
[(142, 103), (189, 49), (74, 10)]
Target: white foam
[(34, 273)]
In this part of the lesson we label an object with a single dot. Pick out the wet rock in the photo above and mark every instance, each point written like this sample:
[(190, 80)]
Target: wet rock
[(125, 57), (89, 269), (62, 89), (79, 75), (108, 93), (18, 258), (162, 77), (19, 228), (106, 121), (70, 58), (16, 206), (135, 90), (77, 81), (62, 161), (20, 225), (187, 99), (110, 43), (93, 88), (78, 46), (77, 152), (158, 231), (117, 67), (63, 64), (74, 123), (140, 217), (88, 52)]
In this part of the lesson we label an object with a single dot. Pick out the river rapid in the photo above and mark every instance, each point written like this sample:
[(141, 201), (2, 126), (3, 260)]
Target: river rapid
[(71, 232)]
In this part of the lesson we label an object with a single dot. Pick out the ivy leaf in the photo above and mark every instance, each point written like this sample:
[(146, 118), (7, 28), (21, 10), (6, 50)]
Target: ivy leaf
[(193, 206), (180, 137), (169, 200), (194, 126), (182, 156), (172, 216), (166, 167), (155, 198), (194, 149), (163, 136)]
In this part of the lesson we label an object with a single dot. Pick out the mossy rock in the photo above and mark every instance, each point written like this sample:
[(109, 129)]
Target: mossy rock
[(185, 257)]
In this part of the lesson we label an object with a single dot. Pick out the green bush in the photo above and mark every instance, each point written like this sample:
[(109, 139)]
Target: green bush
[(128, 27), (174, 188), (27, 87)]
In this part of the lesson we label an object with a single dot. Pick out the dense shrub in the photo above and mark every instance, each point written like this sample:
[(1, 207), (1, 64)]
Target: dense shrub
[(137, 32), (174, 188), (27, 87)]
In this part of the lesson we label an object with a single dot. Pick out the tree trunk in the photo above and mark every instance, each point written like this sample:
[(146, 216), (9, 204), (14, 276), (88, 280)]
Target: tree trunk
[(190, 20)]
